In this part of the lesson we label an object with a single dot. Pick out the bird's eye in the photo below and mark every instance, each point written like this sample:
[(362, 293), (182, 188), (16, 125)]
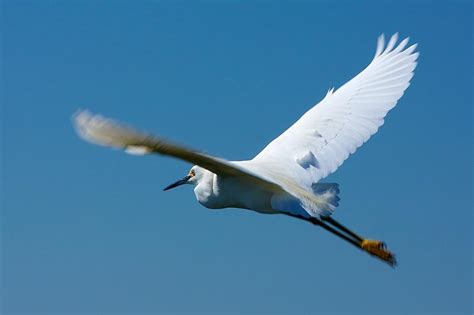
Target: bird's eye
[(192, 173)]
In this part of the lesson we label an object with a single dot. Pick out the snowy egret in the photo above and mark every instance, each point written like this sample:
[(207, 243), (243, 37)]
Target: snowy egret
[(284, 177)]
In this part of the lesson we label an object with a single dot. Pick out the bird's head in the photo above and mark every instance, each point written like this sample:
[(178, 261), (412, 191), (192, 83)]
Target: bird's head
[(193, 177)]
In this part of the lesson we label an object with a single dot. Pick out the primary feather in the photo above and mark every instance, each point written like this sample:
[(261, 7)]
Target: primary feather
[(319, 142), (108, 132)]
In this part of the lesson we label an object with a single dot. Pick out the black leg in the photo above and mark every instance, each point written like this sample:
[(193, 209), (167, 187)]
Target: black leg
[(315, 221), (356, 243), (374, 248), (342, 228)]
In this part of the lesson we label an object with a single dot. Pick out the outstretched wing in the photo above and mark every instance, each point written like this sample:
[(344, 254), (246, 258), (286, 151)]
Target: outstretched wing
[(110, 133), (319, 142)]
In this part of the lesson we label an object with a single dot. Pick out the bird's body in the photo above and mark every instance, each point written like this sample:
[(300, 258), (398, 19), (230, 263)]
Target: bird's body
[(285, 176), (216, 192)]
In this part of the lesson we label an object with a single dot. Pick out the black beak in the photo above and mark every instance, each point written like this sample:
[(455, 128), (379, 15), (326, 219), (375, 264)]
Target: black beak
[(178, 183)]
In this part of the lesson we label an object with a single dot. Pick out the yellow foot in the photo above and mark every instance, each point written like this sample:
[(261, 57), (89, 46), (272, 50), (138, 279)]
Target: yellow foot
[(378, 249)]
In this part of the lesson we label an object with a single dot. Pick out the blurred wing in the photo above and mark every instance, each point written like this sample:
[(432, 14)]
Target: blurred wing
[(319, 142), (107, 132)]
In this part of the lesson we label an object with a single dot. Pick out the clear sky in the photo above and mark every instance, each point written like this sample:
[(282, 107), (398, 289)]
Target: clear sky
[(89, 230)]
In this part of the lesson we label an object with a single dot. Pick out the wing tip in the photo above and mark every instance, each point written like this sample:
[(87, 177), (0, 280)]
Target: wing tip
[(80, 119), (380, 45), (391, 47), (96, 129)]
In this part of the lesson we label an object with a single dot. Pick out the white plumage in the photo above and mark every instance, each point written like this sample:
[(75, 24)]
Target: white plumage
[(320, 141), (283, 178)]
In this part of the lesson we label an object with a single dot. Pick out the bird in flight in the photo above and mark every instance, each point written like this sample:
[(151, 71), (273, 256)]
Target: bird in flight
[(284, 178)]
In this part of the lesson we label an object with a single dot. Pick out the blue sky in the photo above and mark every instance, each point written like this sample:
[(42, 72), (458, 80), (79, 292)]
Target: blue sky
[(89, 230)]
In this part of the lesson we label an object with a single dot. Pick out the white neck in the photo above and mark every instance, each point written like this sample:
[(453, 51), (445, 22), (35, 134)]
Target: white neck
[(204, 189)]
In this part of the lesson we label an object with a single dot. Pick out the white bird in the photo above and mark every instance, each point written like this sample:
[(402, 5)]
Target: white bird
[(284, 177)]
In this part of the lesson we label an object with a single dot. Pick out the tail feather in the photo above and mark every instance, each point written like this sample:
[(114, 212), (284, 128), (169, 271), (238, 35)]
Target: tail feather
[(321, 203), (328, 192)]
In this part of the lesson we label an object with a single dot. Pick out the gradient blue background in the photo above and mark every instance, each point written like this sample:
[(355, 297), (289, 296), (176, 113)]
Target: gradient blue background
[(89, 230)]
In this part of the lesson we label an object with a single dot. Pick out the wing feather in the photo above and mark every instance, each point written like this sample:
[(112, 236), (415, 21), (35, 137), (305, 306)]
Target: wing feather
[(107, 132), (345, 118)]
